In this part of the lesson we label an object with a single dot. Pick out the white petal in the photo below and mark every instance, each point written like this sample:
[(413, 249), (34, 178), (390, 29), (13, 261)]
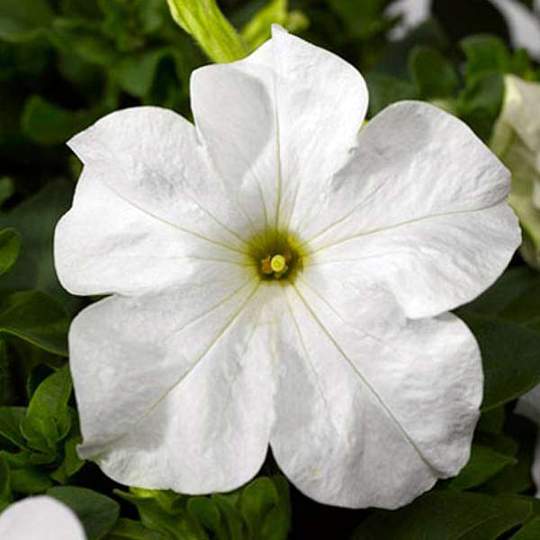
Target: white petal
[(427, 196), (104, 245), (144, 170), (280, 120), (174, 390), (40, 518), (372, 407)]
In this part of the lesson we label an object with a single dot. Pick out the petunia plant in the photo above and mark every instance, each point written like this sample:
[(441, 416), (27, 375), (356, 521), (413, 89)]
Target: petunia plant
[(273, 287)]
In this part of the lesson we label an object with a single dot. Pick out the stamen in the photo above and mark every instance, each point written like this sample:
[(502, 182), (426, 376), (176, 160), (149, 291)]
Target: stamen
[(278, 264)]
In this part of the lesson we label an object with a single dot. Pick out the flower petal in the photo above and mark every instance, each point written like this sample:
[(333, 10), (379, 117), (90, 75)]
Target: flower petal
[(280, 120), (40, 518), (372, 408), (104, 244), (174, 390), (427, 197)]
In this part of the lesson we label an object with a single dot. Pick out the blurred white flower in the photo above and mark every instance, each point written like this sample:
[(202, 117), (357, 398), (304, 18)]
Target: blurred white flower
[(280, 277), (523, 24), (516, 140), (40, 518)]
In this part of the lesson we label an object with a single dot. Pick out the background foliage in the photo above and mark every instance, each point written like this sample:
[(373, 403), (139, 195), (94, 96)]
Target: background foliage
[(65, 63)]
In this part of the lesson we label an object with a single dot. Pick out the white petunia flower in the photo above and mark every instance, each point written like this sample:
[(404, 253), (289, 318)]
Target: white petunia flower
[(280, 277), (40, 518)]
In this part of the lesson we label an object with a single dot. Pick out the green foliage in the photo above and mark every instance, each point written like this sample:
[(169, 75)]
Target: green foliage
[(97, 513), (448, 515), (258, 511)]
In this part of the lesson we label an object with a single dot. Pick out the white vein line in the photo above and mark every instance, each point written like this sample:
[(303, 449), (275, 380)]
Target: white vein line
[(169, 223), (402, 224), (308, 359), (367, 384), (183, 377), (279, 172)]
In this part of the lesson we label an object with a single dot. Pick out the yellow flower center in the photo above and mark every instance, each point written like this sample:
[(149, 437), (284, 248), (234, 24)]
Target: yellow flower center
[(277, 255)]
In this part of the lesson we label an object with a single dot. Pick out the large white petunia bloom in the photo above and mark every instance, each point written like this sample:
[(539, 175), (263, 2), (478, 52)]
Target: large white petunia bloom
[(280, 276), (40, 518)]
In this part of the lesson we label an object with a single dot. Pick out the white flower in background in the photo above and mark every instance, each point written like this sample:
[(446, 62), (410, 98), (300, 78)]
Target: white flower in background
[(529, 406), (523, 24), (280, 277), (40, 518), (516, 140)]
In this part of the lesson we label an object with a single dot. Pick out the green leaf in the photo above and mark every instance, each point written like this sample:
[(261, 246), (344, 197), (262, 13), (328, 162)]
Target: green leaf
[(256, 501), (127, 529), (206, 512), (49, 124), (277, 522), (212, 31), (10, 244), (10, 421), (449, 516), (97, 513), (433, 75), (258, 29), (510, 356), (485, 54), (72, 463), (36, 318), (5, 484), (480, 103), (48, 419), (35, 219), (30, 480), (23, 20), (385, 90), (483, 464), (530, 531)]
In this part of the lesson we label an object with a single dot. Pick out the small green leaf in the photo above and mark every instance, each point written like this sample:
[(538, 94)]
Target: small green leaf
[(30, 480), (510, 355), (485, 54), (97, 513), (72, 463), (206, 512), (36, 318), (257, 499), (49, 124), (10, 245), (127, 529), (48, 419), (10, 421), (530, 531), (385, 90), (212, 31), (483, 464), (449, 516), (35, 219), (433, 75), (5, 483), (23, 20)]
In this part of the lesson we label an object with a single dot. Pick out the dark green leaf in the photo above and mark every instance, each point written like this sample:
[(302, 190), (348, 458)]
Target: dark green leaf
[(36, 318), (530, 531), (5, 483), (510, 355), (10, 244), (485, 54), (49, 124), (257, 499), (127, 529), (433, 75), (483, 465), (10, 421), (447, 515), (385, 90), (30, 480), (22, 20), (97, 513), (36, 219)]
